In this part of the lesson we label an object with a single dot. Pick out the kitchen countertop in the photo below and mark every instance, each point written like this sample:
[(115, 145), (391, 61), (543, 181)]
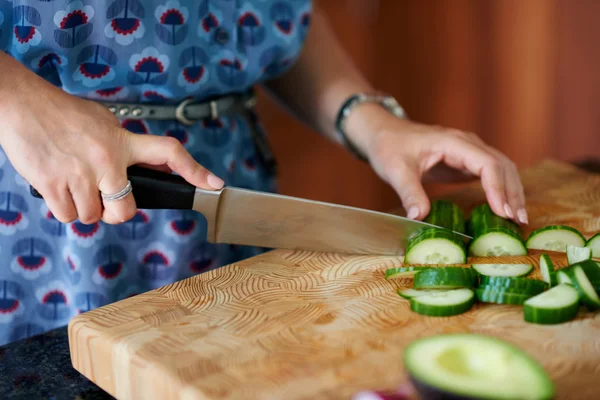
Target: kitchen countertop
[(40, 367)]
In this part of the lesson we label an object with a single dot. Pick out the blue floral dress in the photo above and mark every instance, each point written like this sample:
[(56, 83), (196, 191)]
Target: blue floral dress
[(134, 51)]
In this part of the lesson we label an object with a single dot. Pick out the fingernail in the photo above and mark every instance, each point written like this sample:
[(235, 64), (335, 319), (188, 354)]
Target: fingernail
[(413, 213), (214, 181), (522, 214), (508, 211)]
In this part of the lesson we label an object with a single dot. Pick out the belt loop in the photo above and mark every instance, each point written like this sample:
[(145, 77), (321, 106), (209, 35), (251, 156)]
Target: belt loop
[(214, 112)]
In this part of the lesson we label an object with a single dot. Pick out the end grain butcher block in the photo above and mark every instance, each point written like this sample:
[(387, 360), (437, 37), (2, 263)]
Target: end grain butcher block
[(303, 325)]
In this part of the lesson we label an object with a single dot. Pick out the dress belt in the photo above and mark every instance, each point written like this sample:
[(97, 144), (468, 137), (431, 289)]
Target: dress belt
[(189, 111)]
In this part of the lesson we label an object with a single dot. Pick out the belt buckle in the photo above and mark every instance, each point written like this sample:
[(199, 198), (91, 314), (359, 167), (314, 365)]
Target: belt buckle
[(180, 112)]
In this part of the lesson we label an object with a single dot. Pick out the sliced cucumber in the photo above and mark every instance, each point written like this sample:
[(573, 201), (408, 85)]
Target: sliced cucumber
[(514, 285), (590, 267), (547, 270), (436, 246), (492, 294), (594, 244), (587, 293), (403, 272), (443, 303), (445, 278), (471, 366), (410, 293), (563, 277), (555, 238), (557, 305), (576, 254), (447, 215), (503, 269), (494, 235)]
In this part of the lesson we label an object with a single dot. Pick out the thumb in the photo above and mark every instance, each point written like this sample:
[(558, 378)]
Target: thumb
[(406, 182), (167, 151)]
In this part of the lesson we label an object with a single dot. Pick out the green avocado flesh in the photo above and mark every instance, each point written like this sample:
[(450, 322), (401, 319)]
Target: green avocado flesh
[(476, 366)]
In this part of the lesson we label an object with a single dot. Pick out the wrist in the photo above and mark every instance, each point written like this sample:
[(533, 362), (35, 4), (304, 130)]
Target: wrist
[(367, 122)]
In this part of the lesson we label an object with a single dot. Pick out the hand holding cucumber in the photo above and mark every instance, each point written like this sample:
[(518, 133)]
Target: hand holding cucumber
[(405, 153)]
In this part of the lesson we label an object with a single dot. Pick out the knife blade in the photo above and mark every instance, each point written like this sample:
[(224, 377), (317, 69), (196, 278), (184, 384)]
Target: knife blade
[(252, 218)]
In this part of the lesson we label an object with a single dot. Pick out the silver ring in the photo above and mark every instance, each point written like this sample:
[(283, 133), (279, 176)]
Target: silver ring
[(121, 194)]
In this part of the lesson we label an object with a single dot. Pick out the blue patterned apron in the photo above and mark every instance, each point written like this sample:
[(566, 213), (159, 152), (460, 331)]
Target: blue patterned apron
[(134, 51)]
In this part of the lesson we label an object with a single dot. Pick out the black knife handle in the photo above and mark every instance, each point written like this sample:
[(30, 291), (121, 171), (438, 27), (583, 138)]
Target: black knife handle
[(155, 190)]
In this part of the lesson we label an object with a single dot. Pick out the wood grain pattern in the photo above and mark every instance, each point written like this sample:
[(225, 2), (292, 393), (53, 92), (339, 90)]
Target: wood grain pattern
[(302, 325)]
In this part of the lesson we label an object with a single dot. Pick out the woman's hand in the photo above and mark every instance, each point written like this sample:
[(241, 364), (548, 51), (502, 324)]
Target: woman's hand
[(405, 153), (70, 149)]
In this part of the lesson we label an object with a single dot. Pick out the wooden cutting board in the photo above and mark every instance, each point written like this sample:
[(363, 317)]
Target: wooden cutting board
[(302, 325)]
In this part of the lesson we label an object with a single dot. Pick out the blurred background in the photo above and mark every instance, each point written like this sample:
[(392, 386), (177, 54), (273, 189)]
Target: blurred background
[(522, 74)]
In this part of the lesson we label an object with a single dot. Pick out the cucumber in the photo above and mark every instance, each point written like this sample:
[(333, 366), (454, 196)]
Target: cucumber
[(514, 285), (410, 293), (563, 277), (494, 235), (557, 305), (547, 270), (587, 293), (594, 244), (472, 366), (555, 238), (403, 272), (491, 294), (446, 214), (590, 267), (445, 278), (576, 254), (436, 246), (443, 303), (439, 245), (503, 269)]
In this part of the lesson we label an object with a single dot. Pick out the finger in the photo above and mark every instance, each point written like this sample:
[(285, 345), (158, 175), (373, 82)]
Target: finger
[(515, 193), (161, 168), (117, 211), (407, 183), (461, 154), (86, 197), (59, 202), (158, 150)]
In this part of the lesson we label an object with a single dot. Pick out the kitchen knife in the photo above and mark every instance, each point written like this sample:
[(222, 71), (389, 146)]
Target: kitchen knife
[(246, 217)]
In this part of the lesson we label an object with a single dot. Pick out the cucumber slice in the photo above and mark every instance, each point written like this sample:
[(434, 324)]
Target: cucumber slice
[(447, 215), (557, 305), (471, 366), (576, 254), (594, 244), (494, 235), (590, 267), (492, 294), (503, 269), (443, 303), (563, 277), (587, 293), (547, 270), (403, 272), (555, 238), (436, 246), (445, 278), (514, 285), (410, 293)]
